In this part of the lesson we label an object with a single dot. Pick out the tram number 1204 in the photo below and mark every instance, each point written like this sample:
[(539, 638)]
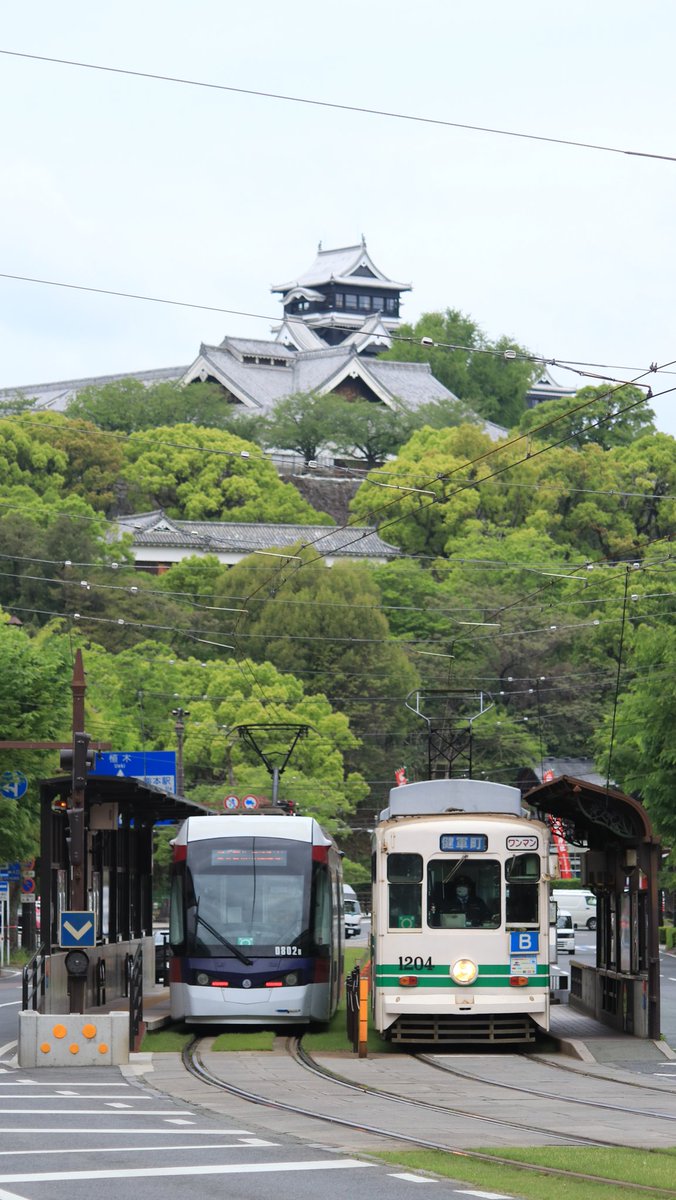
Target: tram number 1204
[(419, 963)]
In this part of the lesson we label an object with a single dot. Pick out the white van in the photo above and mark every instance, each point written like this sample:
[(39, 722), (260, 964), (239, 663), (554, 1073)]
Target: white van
[(580, 904), (352, 912)]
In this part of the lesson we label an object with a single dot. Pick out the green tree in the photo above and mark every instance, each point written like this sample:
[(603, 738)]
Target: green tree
[(372, 431), (202, 474), (34, 701), (642, 755), (601, 421), (303, 422), (482, 373), (127, 405)]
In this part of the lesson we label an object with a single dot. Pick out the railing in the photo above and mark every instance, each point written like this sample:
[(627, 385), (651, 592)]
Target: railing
[(136, 998), (101, 982), (34, 980), (356, 995)]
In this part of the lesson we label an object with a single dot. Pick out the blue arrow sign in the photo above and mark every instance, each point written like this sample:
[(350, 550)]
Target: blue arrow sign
[(13, 785), (157, 767), (77, 929)]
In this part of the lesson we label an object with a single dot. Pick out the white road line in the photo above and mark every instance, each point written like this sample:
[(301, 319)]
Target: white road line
[(81, 1112), (486, 1195), (40, 1129), (179, 1121), (10, 1004), (246, 1144), (72, 1095), (410, 1178), (272, 1168), (52, 1083), (10, 1196), (7, 1047)]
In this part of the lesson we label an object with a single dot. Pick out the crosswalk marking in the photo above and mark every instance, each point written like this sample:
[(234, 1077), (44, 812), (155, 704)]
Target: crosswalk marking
[(243, 1144), (410, 1178), (97, 1132)]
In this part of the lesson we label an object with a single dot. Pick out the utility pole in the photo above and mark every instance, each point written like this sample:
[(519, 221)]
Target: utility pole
[(180, 714)]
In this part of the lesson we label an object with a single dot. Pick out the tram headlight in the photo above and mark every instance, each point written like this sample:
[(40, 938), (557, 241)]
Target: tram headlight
[(464, 971), (202, 979), (291, 979)]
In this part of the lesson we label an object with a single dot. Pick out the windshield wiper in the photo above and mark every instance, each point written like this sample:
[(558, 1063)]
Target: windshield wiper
[(199, 920)]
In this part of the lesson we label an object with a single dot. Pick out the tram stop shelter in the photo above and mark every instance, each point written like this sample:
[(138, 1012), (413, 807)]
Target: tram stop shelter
[(119, 817), (620, 867)]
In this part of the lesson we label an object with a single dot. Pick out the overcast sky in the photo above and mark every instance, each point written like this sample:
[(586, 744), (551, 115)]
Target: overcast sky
[(210, 197)]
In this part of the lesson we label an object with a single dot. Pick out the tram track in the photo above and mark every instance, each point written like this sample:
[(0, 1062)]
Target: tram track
[(544, 1095), (194, 1063)]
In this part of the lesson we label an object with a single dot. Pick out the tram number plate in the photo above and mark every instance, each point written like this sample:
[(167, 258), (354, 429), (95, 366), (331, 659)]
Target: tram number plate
[(523, 842), (407, 961), (287, 951)]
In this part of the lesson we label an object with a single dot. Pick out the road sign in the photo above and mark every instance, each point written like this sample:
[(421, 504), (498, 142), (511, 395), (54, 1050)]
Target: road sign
[(77, 929), (157, 767), (27, 887), (4, 887), (250, 802), (231, 802), (13, 785)]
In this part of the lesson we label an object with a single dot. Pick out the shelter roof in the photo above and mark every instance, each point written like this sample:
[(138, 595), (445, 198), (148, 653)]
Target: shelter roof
[(149, 803), (603, 815)]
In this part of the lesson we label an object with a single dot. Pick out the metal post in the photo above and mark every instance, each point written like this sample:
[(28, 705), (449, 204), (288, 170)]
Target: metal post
[(76, 814), (179, 727)]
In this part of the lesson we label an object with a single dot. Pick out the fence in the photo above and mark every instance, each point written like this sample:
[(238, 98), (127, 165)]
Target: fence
[(135, 976), (34, 980)]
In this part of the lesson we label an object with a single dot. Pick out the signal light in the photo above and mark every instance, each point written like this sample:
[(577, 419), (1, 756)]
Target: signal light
[(59, 805)]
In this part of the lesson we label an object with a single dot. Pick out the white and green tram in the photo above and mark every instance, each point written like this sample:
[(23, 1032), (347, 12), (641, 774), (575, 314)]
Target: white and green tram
[(460, 915)]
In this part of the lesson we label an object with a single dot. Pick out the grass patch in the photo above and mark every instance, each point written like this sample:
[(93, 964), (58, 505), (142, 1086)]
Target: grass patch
[(245, 1039), (170, 1040), (624, 1165)]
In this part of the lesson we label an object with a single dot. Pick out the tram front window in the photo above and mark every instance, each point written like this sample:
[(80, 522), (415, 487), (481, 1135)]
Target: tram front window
[(463, 894), (522, 877), (247, 892)]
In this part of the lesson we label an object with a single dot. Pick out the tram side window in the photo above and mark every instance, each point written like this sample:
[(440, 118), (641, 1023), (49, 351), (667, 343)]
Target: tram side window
[(176, 908), (404, 876), (522, 876)]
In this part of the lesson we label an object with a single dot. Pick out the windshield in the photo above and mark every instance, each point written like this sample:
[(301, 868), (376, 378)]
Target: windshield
[(247, 895)]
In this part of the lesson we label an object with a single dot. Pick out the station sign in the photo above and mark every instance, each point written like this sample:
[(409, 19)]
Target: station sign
[(157, 767)]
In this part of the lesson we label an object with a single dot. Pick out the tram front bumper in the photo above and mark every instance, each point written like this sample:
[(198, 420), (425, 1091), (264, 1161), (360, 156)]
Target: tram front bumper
[(520, 1000), (241, 1006)]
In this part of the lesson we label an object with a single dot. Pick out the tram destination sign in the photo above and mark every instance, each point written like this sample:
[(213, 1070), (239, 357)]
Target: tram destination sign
[(463, 843)]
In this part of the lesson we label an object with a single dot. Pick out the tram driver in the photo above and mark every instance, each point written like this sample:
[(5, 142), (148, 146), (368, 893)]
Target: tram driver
[(457, 904)]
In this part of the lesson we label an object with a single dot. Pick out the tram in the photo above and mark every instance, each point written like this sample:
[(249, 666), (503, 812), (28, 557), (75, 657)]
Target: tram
[(460, 915), (256, 921)]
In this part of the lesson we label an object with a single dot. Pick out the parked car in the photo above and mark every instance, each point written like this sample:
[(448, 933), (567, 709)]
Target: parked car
[(565, 932)]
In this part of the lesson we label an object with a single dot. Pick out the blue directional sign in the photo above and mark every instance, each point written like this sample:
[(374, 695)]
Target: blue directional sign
[(13, 785), (157, 767), (77, 929), (4, 887)]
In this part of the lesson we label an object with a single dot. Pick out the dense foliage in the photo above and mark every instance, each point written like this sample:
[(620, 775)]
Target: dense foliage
[(530, 601)]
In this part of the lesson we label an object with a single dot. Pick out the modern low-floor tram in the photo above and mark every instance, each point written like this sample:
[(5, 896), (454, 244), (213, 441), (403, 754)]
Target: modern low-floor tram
[(460, 915), (256, 921)]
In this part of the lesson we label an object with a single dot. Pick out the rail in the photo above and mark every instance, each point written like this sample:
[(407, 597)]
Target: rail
[(34, 980), (136, 1027)]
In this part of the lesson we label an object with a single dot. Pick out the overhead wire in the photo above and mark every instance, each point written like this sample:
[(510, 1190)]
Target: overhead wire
[(336, 106)]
